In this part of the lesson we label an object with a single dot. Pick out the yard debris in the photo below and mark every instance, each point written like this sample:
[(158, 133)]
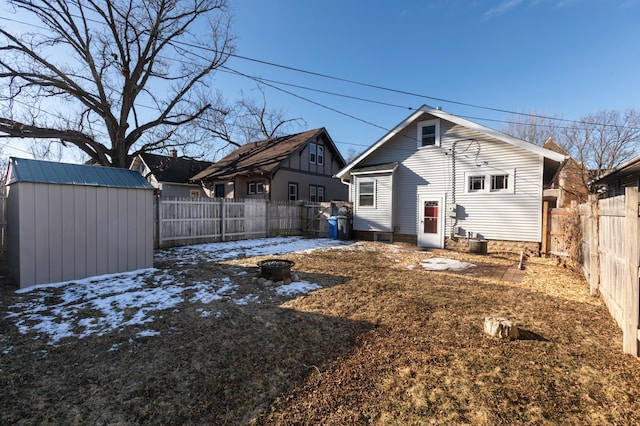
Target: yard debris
[(500, 327)]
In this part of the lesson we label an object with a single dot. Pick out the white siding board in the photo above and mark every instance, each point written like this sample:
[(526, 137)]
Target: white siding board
[(514, 216)]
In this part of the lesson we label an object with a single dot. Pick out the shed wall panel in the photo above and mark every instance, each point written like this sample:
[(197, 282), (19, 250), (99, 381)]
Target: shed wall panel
[(102, 231), (27, 237), (123, 227), (67, 239), (81, 203), (42, 231), (112, 231), (64, 232), (91, 230)]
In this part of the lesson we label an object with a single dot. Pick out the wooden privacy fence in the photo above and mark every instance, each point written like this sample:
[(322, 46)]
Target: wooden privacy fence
[(602, 236), (180, 221), (3, 220)]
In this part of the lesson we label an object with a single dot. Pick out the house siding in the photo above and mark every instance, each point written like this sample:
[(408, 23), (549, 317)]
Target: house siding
[(379, 217), (333, 188), (441, 170)]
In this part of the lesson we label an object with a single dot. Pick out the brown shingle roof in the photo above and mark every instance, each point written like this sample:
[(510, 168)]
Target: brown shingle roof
[(173, 169), (262, 157)]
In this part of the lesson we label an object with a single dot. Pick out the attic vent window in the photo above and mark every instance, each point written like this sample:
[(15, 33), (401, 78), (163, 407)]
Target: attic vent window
[(428, 133)]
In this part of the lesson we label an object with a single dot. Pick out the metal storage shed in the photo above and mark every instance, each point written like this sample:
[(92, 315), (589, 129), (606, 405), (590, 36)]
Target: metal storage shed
[(70, 221)]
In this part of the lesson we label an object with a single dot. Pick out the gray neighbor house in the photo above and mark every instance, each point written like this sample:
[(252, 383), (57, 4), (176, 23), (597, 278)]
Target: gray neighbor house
[(170, 175), (293, 167), (70, 221)]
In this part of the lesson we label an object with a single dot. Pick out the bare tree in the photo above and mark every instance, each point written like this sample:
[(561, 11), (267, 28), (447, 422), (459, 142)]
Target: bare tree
[(603, 140), (248, 120), (113, 78), (532, 127)]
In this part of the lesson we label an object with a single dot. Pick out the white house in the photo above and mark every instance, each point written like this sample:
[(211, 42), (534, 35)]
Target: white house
[(437, 179)]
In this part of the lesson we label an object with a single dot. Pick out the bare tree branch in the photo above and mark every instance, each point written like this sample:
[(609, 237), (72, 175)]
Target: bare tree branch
[(119, 66)]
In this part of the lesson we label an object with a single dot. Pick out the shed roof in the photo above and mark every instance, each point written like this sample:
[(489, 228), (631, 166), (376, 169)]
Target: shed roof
[(36, 171)]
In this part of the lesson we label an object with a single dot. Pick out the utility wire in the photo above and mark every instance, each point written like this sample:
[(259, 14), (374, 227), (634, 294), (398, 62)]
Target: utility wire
[(350, 81)]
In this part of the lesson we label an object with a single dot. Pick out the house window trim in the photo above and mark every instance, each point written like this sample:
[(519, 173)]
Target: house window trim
[(216, 186), (319, 155), (488, 182), (255, 187), (313, 153), (297, 195), (318, 193), (373, 194), (421, 124), (194, 193)]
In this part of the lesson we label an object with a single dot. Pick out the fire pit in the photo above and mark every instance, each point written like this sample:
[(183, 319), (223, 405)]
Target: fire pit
[(276, 269)]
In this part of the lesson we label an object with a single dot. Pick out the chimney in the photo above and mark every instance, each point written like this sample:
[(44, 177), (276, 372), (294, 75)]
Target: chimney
[(173, 153)]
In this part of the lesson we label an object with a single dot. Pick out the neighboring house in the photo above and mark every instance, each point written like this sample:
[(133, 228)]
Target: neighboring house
[(293, 167), (614, 182), (570, 184), (71, 221), (170, 174), (439, 178)]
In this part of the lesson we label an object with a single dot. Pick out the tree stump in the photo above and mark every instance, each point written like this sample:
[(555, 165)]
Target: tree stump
[(500, 327)]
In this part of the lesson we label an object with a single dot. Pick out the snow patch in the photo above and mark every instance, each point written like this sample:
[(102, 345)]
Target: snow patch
[(443, 264)]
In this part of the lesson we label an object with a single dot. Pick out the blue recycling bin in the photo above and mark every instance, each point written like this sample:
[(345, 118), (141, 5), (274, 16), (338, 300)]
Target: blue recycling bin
[(333, 227)]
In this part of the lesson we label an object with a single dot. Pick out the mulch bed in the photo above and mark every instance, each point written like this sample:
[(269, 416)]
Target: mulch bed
[(384, 341)]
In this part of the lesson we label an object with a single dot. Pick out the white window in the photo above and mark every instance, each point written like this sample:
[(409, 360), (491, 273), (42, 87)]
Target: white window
[(476, 183), (293, 191), (312, 153), (316, 193), (255, 187), (366, 194), (428, 133), (499, 182), (487, 182), (195, 194), (320, 155)]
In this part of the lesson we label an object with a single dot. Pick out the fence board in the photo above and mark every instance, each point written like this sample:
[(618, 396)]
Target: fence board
[(611, 247), (181, 221)]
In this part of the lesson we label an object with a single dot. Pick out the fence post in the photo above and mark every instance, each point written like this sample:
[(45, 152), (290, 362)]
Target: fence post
[(267, 204), (223, 217), (630, 278), (158, 223), (594, 246)]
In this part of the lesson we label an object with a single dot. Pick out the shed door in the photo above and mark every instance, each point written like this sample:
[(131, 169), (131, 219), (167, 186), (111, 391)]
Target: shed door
[(430, 221)]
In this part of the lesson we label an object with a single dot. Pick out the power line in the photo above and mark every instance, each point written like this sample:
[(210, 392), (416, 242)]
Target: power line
[(346, 80)]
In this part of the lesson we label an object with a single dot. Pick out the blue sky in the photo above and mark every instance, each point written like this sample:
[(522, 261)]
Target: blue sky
[(563, 58)]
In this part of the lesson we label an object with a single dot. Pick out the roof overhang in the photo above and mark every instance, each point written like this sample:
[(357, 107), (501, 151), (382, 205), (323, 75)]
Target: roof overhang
[(425, 109)]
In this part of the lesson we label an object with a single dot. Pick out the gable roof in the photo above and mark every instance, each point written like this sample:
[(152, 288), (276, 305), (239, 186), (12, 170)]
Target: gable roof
[(263, 157), (629, 168), (173, 169), (426, 109), (36, 171)]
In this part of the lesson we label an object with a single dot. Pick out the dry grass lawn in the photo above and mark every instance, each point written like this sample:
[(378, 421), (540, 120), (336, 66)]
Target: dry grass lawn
[(383, 342)]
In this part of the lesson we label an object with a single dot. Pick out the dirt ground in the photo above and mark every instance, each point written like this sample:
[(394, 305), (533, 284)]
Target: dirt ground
[(383, 342)]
